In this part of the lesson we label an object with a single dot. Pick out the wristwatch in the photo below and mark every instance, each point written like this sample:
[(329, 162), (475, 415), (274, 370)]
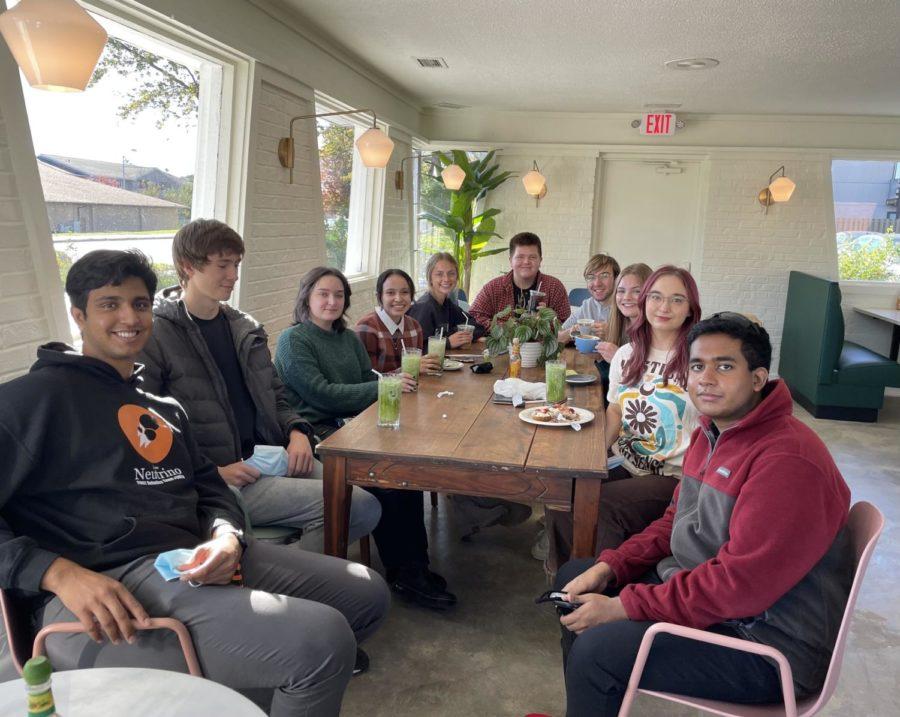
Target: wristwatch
[(231, 530)]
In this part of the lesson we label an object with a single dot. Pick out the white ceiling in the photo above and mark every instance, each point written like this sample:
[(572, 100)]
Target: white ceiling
[(777, 56)]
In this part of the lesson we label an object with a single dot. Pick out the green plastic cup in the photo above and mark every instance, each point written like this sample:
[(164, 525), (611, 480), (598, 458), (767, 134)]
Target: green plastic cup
[(389, 390), (411, 362), (437, 346), (555, 374)]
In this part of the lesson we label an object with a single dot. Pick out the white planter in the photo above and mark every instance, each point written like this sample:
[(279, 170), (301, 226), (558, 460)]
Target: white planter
[(531, 352)]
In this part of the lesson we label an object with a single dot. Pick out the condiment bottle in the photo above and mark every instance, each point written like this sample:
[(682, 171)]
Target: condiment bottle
[(36, 674), (515, 359)]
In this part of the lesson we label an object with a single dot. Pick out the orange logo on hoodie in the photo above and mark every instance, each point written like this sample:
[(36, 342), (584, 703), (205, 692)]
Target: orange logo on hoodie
[(146, 431)]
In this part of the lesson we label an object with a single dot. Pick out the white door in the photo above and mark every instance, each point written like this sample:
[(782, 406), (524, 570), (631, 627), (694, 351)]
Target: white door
[(650, 211)]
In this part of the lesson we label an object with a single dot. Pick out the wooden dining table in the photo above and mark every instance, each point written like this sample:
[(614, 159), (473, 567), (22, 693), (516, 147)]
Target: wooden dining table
[(465, 443)]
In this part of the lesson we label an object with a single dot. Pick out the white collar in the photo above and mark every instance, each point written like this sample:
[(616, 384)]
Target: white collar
[(389, 322)]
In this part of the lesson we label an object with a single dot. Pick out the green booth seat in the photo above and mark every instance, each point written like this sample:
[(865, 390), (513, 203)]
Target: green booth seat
[(828, 376)]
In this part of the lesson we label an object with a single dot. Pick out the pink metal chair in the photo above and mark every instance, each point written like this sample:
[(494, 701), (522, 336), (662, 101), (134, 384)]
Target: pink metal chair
[(865, 524), (18, 636)]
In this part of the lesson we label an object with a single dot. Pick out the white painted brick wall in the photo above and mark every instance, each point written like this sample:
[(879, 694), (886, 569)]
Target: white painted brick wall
[(284, 231), (747, 255), (395, 232), (562, 220), (23, 321)]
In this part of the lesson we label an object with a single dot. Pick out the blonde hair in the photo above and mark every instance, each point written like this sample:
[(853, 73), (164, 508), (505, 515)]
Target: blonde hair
[(598, 261), (617, 330)]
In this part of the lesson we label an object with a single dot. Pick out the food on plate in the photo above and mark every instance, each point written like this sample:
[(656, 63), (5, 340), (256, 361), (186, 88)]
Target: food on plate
[(543, 414), (565, 413)]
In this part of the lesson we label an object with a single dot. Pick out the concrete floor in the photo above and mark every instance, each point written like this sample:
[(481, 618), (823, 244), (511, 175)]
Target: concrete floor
[(498, 654)]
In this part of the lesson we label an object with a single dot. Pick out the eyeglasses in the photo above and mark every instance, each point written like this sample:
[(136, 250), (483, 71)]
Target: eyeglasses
[(603, 276), (655, 297)]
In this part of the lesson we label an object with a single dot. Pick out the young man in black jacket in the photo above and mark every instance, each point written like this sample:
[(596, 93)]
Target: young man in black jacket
[(101, 477), (215, 360)]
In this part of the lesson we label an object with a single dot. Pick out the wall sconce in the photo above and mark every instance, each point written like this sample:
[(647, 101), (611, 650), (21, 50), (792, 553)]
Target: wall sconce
[(778, 190), (535, 184), (453, 175), (374, 146), (56, 43)]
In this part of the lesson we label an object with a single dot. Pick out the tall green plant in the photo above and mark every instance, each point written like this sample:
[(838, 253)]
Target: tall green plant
[(471, 232)]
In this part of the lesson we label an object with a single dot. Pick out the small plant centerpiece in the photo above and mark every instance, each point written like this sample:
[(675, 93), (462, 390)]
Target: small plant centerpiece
[(536, 331)]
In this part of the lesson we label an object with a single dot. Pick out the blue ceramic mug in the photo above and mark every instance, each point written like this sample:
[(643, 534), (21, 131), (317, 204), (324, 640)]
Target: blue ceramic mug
[(586, 344)]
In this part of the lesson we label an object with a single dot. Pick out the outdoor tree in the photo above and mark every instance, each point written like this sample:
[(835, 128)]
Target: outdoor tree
[(157, 83), (336, 171)]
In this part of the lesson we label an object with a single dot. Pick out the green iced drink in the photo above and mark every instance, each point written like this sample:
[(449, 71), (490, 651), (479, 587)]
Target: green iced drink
[(389, 390), (411, 362), (436, 347), (556, 381)]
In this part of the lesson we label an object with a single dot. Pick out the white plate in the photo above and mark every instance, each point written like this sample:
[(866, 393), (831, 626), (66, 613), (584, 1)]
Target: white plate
[(451, 365), (584, 416)]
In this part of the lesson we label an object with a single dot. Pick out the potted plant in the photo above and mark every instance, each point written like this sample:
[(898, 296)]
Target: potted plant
[(470, 227), (536, 331)]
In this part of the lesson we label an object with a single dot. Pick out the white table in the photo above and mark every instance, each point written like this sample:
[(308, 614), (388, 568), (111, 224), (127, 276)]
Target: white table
[(891, 316), (136, 692)]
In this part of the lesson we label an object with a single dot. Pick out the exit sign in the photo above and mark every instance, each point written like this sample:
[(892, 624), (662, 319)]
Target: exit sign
[(658, 123)]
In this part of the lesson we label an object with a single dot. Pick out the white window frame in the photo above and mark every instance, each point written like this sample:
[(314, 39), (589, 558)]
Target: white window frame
[(223, 123), (364, 228)]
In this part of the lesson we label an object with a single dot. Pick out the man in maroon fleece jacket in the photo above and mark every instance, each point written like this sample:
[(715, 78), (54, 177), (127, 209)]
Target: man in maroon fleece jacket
[(754, 545)]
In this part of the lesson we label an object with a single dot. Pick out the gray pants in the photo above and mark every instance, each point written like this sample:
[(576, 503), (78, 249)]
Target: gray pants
[(299, 503), (293, 628)]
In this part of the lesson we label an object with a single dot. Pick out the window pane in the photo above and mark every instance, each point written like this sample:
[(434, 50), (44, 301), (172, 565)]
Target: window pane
[(336, 173), (431, 196), (117, 162), (865, 213)]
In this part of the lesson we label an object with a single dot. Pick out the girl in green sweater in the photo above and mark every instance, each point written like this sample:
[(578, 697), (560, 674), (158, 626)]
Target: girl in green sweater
[(328, 376)]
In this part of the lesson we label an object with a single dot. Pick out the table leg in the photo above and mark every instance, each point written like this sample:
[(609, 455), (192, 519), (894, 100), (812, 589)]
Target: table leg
[(895, 342), (337, 505), (585, 513)]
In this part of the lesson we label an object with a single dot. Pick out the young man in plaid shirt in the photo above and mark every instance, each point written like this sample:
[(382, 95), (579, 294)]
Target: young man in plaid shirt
[(512, 288)]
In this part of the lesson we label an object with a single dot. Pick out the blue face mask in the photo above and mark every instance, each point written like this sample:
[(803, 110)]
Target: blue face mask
[(269, 460), (166, 563)]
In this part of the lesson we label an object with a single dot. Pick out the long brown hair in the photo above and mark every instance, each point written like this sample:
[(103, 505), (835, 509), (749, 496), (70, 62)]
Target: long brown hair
[(617, 330), (640, 331)]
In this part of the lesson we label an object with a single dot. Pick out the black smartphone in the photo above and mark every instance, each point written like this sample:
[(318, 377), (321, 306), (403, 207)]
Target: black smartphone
[(558, 599), (485, 367)]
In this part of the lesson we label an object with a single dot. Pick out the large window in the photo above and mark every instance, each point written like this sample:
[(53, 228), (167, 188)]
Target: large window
[(865, 213), (429, 194), (133, 158), (352, 194)]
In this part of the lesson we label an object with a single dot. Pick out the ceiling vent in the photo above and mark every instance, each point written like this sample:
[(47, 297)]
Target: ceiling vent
[(432, 63), (450, 106)]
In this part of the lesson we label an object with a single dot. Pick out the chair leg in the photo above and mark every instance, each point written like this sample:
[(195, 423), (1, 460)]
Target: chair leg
[(365, 554), (434, 499)]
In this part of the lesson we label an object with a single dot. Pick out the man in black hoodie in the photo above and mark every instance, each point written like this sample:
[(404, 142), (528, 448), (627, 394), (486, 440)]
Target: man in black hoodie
[(101, 477)]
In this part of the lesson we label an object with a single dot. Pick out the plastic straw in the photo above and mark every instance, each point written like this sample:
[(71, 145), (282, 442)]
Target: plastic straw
[(378, 373), (467, 319), (539, 285), (403, 345)]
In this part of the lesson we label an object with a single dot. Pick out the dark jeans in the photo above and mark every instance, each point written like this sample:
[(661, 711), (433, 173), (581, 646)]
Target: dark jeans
[(598, 663), (400, 534), (628, 504)]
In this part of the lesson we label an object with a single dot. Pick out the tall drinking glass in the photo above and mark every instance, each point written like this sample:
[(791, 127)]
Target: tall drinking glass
[(411, 362), (469, 331), (437, 345), (556, 381), (389, 390)]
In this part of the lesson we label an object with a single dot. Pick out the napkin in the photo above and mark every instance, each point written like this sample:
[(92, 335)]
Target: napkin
[(511, 387)]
